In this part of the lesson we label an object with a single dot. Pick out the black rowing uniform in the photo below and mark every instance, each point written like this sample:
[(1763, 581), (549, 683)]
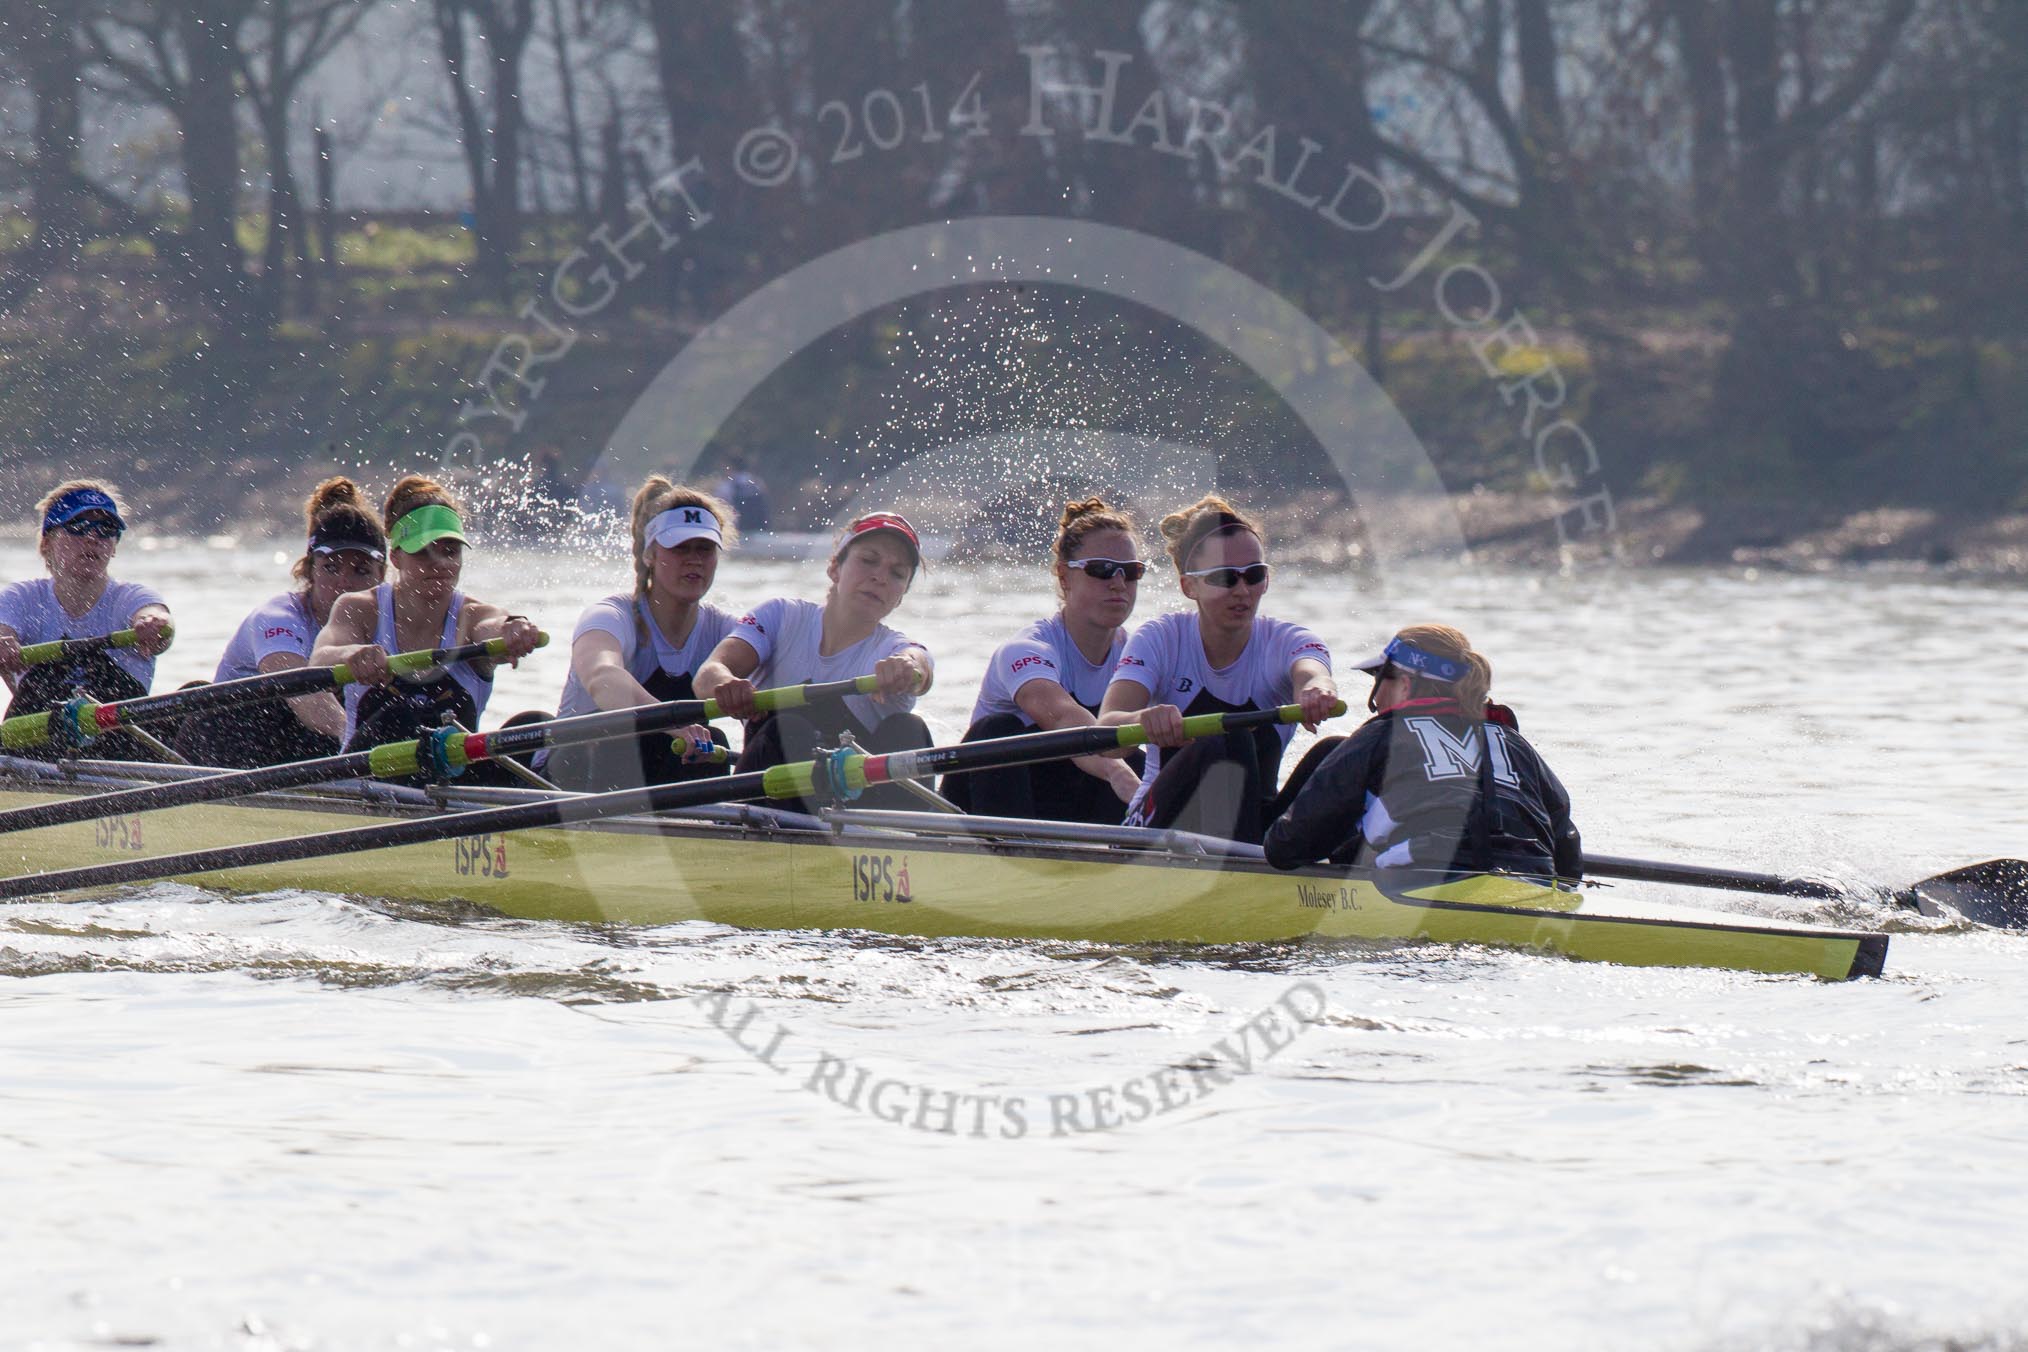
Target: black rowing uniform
[(1413, 788)]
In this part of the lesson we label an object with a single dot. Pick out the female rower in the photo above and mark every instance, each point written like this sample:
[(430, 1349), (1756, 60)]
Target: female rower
[(82, 522), (1222, 656), (421, 609), (644, 647), (347, 552), (1054, 676), (1414, 787), (786, 641)]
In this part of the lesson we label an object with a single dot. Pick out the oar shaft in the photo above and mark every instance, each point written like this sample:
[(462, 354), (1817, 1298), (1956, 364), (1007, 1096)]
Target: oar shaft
[(521, 817), (185, 792), (61, 649), (1725, 879), (855, 770), (33, 730), (403, 758), (394, 759)]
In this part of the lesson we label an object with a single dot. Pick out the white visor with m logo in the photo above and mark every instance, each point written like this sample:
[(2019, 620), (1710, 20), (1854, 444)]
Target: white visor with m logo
[(679, 524)]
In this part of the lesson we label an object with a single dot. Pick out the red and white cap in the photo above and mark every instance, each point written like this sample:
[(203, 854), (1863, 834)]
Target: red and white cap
[(874, 521)]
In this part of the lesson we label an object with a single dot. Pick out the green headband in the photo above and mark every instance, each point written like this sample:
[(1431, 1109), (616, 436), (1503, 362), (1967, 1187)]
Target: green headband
[(419, 529)]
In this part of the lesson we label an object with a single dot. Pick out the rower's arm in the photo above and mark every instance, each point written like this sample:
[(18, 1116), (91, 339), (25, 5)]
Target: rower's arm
[(1127, 702), (600, 665), (723, 676), (349, 629), (1315, 692), (482, 622), (1050, 707), (10, 655), (318, 711), (734, 659), (1123, 703)]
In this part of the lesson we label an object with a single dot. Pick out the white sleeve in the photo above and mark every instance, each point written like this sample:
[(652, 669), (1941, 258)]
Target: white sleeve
[(609, 616), (1300, 643), (1143, 661), (897, 641), (136, 596), (17, 607), (280, 628), (1018, 662), (759, 627)]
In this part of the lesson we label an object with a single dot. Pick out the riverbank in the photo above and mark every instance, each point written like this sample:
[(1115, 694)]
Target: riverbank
[(212, 438)]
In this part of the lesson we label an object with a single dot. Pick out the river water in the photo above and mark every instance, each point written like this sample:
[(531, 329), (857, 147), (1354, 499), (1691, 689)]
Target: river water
[(308, 1121)]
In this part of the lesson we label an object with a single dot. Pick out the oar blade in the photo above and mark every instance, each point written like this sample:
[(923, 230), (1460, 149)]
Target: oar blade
[(1993, 893)]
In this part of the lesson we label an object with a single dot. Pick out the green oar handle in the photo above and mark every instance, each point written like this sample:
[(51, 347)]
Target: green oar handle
[(1211, 725), (422, 659), (33, 730), (35, 654), (797, 696), (459, 749)]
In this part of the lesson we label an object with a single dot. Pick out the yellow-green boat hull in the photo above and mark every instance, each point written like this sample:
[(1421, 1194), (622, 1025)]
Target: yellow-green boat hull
[(640, 871)]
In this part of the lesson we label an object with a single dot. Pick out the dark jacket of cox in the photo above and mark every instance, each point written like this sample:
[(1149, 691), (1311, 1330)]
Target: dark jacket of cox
[(1402, 791)]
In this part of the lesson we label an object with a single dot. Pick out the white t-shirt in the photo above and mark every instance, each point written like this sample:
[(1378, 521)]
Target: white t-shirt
[(281, 624), (787, 633), (1045, 651), (1166, 655), (31, 610), (617, 615)]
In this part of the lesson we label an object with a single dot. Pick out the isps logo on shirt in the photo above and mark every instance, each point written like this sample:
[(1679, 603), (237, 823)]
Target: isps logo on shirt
[(1032, 660)]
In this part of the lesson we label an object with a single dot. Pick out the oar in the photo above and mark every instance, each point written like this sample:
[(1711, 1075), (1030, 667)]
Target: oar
[(1993, 893), (841, 773), (405, 758), (64, 649), (33, 730)]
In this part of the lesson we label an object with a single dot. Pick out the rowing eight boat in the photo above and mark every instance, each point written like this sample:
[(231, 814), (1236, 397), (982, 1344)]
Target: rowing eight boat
[(898, 872)]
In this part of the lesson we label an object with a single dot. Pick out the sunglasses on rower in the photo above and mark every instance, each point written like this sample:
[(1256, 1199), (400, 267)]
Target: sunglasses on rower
[(1227, 578), (96, 529), (1105, 570)]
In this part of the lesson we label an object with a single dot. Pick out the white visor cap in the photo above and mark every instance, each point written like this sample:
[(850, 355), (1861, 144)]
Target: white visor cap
[(678, 524)]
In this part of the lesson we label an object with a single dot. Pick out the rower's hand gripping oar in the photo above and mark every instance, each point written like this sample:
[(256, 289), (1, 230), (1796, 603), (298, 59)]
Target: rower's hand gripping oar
[(446, 753), (69, 649), (1993, 893), (71, 726), (846, 770)]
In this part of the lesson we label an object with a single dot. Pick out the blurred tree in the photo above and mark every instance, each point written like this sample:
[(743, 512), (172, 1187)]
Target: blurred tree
[(289, 39), (488, 101), (41, 43), (186, 56), (1766, 83)]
